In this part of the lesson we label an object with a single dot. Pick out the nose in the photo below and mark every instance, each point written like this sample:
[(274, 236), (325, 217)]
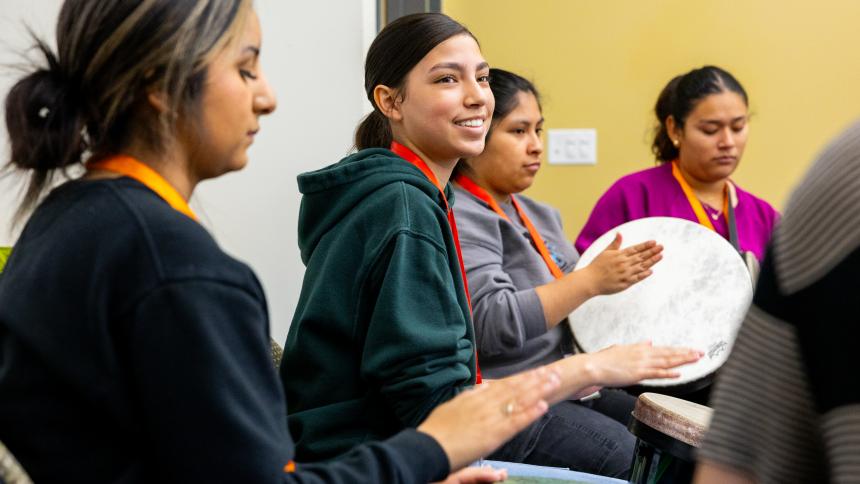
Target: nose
[(265, 100), (727, 138), (476, 95), (535, 144)]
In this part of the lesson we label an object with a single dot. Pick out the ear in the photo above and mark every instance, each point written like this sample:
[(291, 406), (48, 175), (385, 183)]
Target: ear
[(157, 100), (673, 130), (387, 100)]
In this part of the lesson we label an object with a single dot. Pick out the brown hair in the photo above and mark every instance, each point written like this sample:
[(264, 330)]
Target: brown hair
[(394, 52), (680, 97), (505, 86), (85, 100)]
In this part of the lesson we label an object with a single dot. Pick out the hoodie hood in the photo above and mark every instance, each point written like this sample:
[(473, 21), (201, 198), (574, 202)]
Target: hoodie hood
[(330, 193)]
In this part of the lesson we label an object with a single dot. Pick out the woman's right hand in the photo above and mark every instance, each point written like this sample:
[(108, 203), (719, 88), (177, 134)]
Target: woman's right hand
[(616, 269), (480, 419), (622, 365)]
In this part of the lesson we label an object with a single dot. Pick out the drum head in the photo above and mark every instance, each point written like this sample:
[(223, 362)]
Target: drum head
[(696, 297), (679, 419)]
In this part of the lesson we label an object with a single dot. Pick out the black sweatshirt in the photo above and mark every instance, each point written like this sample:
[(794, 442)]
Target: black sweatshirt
[(133, 349)]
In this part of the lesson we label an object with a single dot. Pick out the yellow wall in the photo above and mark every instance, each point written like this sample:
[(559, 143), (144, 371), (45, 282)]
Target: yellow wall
[(601, 63)]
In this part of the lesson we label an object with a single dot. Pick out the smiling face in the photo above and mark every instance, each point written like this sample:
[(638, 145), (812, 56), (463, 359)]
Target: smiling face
[(443, 110), (235, 94), (511, 158), (713, 138)]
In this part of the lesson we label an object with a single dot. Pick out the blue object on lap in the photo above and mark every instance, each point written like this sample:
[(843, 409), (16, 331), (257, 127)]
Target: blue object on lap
[(527, 470)]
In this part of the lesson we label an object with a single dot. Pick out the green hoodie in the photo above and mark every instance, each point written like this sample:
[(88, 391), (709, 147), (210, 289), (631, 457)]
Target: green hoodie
[(382, 333)]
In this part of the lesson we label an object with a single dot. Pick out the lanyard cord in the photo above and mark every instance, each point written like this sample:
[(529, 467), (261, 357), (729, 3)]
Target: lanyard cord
[(414, 159), (470, 186), (132, 168), (699, 209)]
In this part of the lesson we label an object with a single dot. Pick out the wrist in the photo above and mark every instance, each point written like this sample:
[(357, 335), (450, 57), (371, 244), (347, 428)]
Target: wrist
[(591, 369), (577, 373), (591, 281)]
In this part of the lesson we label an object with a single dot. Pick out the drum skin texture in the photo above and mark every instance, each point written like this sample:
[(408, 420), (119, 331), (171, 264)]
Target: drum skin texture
[(696, 297), (679, 419)]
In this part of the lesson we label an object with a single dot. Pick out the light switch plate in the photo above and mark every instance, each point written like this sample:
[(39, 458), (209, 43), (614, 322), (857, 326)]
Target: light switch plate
[(573, 146)]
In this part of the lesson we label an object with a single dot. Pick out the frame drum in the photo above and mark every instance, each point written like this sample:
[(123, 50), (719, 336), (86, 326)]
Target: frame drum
[(697, 297)]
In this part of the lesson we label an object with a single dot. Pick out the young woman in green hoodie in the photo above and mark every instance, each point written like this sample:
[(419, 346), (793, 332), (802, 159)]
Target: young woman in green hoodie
[(383, 330)]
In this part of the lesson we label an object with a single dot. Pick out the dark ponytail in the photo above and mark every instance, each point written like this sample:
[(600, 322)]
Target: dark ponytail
[(680, 97), (374, 131), (394, 52), (86, 100), (662, 147), (44, 124)]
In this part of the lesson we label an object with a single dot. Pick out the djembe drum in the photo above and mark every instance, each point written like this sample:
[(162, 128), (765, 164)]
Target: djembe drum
[(667, 430)]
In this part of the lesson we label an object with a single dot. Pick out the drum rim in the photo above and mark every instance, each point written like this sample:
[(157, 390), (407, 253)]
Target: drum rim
[(682, 221)]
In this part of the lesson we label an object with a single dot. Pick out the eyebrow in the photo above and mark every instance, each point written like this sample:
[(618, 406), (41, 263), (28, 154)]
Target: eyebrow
[(526, 122), (457, 67), (252, 49), (717, 121)]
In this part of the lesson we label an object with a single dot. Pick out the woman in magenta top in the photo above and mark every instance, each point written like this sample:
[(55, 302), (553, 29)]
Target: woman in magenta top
[(703, 128)]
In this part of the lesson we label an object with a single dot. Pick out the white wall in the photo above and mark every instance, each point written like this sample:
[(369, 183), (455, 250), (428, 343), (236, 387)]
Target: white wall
[(41, 16), (313, 56)]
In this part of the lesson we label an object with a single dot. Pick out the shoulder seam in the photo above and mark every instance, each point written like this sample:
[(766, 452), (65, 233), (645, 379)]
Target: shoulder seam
[(406, 204)]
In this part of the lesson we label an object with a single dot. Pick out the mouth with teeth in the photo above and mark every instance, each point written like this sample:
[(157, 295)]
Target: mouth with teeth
[(470, 123)]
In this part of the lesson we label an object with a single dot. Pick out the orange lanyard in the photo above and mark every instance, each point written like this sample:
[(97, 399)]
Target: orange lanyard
[(473, 188), (414, 159), (132, 168), (696, 205)]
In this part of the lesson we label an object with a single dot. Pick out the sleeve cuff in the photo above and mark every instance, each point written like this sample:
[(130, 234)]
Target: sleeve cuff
[(421, 453), (531, 313)]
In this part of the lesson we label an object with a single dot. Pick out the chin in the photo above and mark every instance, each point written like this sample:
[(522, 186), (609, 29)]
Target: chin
[(472, 149), (239, 166), (724, 172), (239, 162), (233, 165), (523, 187)]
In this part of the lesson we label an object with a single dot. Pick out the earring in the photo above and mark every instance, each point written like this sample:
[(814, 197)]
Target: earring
[(676, 142)]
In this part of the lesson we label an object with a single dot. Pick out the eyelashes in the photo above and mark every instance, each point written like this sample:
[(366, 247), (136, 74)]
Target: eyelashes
[(452, 79)]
